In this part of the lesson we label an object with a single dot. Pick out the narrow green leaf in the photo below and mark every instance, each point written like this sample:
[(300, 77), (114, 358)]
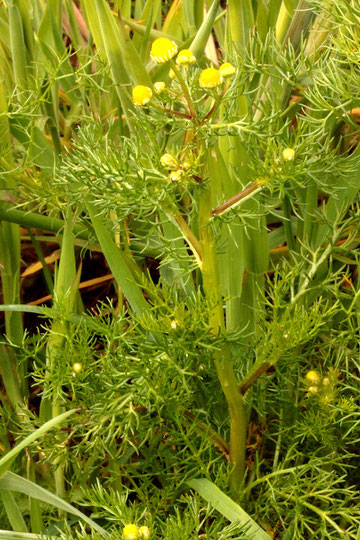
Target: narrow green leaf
[(13, 512), (13, 482), (37, 221), (189, 12), (338, 203), (241, 21), (154, 34), (200, 40), (10, 535), (116, 260), (17, 43), (67, 266), (54, 50), (227, 507), (7, 460), (107, 41), (273, 7)]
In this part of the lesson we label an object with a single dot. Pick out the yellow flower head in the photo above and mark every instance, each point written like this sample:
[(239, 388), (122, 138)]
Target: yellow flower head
[(162, 50), (159, 87), (145, 532), (185, 57), (77, 367), (312, 376), (227, 70), (172, 74), (131, 532), (141, 94), (288, 154), (168, 161), (210, 77), (175, 176)]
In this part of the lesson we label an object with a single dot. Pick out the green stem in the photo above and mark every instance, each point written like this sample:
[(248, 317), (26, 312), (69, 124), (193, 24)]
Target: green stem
[(8, 370), (39, 253), (311, 202), (38, 221), (188, 235), (289, 235), (223, 360), (185, 89)]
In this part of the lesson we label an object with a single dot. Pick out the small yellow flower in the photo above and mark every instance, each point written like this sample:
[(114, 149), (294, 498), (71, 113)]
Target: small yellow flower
[(313, 390), (130, 532), (185, 57), (168, 161), (288, 154), (312, 376), (77, 367), (186, 165), (163, 50), (174, 324), (210, 77), (145, 532), (227, 70), (141, 94), (176, 176), (326, 381), (172, 74), (159, 87)]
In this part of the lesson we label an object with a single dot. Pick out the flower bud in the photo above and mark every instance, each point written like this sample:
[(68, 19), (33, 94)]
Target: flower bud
[(176, 176), (159, 87), (131, 532), (77, 367), (144, 532), (162, 50), (227, 70), (288, 154), (210, 77), (168, 161), (185, 57), (312, 377), (141, 95)]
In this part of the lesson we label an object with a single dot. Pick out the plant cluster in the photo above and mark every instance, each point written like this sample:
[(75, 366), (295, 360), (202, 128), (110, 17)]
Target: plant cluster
[(210, 155)]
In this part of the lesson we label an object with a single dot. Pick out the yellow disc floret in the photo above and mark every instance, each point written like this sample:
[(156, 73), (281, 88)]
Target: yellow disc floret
[(227, 70), (168, 161), (175, 176), (159, 87), (210, 77), (131, 532), (141, 95), (288, 154), (145, 532), (77, 367), (185, 57), (312, 376), (162, 50)]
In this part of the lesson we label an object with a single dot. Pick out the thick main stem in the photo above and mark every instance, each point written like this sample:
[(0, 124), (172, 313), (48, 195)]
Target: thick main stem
[(223, 361)]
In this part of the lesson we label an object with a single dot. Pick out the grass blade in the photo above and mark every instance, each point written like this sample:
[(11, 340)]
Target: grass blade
[(227, 507), (10, 535), (13, 512), (118, 265), (8, 459), (199, 42), (13, 482)]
